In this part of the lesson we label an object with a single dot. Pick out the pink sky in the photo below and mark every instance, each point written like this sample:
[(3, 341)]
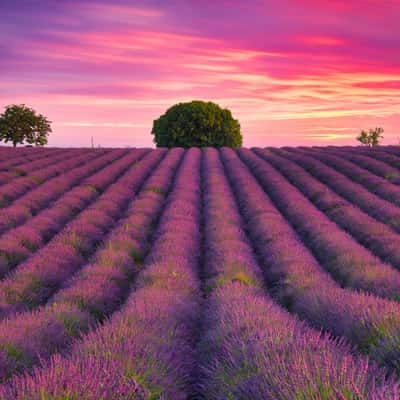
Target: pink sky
[(294, 72)]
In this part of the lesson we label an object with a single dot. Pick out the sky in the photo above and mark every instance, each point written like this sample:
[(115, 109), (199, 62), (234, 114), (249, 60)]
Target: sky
[(293, 72)]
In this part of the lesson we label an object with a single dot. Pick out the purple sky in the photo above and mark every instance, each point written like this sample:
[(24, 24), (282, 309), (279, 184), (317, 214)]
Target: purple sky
[(293, 72)]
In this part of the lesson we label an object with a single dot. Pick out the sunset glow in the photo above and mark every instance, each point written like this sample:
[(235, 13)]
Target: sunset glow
[(293, 72)]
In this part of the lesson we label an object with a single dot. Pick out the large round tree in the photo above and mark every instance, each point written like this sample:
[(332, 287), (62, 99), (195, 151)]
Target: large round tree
[(197, 124)]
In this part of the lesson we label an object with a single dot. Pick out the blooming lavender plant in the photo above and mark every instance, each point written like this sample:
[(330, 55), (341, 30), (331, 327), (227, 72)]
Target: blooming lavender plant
[(183, 279), (21, 185), (380, 186), (376, 236), (24, 158), (25, 165), (251, 348), (53, 219), (96, 294), (299, 282), (155, 327), (370, 163), (357, 194), (67, 251), (349, 262)]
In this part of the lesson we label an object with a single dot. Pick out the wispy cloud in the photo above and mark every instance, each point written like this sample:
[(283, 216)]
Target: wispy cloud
[(279, 65), (330, 136), (102, 124), (329, 128)]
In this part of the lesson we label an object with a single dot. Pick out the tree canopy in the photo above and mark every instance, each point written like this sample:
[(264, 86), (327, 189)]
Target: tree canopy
[(371, 138), (20, 123), (197, 124)]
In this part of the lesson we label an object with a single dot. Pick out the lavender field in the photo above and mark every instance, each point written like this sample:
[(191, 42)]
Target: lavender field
[(177, 274)]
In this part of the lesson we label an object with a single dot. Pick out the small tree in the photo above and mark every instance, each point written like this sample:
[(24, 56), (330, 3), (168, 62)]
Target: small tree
[(197, 124), (19, 124), (371, 138)]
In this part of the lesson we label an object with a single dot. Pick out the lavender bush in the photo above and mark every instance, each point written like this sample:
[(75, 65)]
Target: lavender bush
[(380, 186), (199, 274), (376, 236), (349, 262)]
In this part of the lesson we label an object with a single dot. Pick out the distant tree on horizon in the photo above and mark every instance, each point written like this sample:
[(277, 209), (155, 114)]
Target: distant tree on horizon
[(197, 124), (20, 123), (372, 137)]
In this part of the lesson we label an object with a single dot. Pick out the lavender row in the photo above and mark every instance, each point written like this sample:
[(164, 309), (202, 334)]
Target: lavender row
[(16, 188), (299, 283), (10, 158), (373, 205), (349, 262), (18, 244), (391, 149), (6, 154), (146, 350), (99, 288), (251, 347), (384, 156), (26, 165), (35, 280), (32, 202), (380, 186), (22, 177), (371, 164), (374, 235), (31, 168), (28, 168), (102, 284)]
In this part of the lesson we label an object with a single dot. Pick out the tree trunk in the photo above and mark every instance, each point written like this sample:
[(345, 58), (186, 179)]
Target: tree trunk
[(15, 144)]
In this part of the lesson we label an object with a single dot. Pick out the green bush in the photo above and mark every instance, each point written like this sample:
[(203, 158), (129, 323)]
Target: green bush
[(371, 138), (197, 124)]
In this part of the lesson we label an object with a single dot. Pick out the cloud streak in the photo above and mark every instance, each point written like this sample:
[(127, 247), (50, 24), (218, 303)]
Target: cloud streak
[(285, 68)]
